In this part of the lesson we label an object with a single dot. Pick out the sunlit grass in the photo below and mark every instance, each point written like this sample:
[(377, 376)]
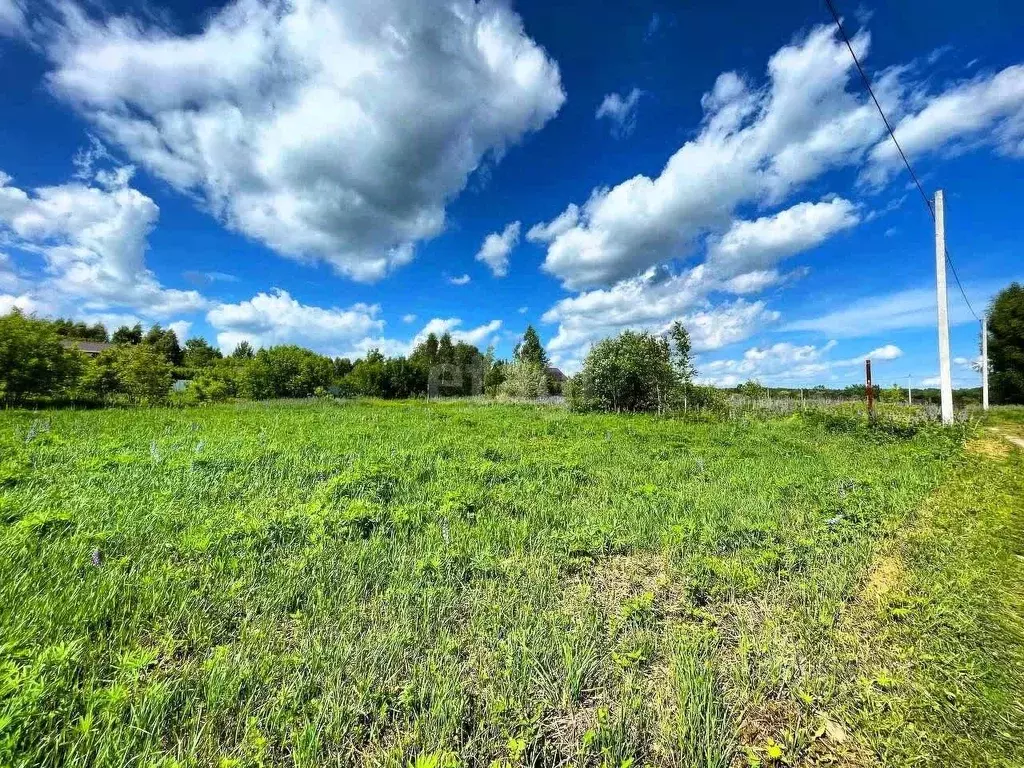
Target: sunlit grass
[(433, 584)]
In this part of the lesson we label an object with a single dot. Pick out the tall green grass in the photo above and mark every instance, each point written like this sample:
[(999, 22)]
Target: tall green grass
[(397, 584)]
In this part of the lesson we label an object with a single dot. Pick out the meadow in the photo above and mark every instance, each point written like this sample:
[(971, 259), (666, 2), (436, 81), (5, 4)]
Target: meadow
[(454, 584)]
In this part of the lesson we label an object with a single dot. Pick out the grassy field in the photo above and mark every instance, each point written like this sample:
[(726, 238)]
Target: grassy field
[(394, 584)]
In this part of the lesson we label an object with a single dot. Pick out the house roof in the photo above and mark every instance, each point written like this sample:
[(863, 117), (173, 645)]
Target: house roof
[(555, 374), (89, 347)]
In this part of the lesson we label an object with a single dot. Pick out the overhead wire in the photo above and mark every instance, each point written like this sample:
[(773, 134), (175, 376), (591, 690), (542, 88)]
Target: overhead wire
[(892, 135)]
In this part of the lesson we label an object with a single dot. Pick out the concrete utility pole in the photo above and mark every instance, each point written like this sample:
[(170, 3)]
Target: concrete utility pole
[(910, 395), (984, 363), (945, 381)]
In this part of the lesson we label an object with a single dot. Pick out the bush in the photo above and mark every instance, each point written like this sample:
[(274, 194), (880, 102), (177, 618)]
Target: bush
[(285, 371), (524, 380), (143, 374), (630, 372), (710, 399), (32, 360)]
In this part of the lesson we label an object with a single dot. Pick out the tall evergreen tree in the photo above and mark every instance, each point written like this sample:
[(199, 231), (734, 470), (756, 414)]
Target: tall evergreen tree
[(243, 351), (530, 350), (445, 349)]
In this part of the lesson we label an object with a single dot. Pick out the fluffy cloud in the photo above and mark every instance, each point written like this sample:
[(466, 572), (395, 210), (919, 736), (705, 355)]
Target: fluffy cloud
[(652, 302), (181, 329), (758, 145), (552, 230), (24, 302), (788, 363), (93, 239), (326, 129), (987, 110), (460, 280), (12, 17), (410, 318), (276, 318), (754, 247), (888, 352), (741, 261), (9, 280), (496, 248), (620, 111), (480, 336)]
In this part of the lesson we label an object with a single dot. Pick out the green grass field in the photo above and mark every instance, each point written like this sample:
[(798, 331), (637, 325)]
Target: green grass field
[(458, 584)]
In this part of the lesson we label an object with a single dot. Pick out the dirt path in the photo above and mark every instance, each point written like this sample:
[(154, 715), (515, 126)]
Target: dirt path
[(1019, 442)]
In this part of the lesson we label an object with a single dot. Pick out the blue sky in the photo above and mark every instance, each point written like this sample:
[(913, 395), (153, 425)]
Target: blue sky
[(348, 174)]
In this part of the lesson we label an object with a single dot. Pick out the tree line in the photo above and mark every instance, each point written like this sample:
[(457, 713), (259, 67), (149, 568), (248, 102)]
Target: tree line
[(42, 364)]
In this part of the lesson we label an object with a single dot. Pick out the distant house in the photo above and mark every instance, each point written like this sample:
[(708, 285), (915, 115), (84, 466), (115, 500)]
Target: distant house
[(90, 348), (555, 375)]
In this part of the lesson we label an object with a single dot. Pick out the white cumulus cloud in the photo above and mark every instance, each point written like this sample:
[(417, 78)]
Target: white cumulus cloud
[(758, 144), (620, 111), (479, 336), (274, 318), (326, 129), (742, 261), (755, 246), (986, 110), (93, 239), (496, 248)]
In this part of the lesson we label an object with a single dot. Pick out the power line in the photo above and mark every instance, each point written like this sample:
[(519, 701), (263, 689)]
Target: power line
[(867, 84), (958, 285), (892, 135)]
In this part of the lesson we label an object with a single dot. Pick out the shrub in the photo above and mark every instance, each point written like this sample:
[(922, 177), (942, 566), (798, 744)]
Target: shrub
[(631, 372), (32, 360), (525, 380), (143, 374), (709, 399)]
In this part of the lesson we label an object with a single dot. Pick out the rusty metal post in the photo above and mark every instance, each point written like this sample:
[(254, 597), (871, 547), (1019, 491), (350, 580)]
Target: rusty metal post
[(870, 389)]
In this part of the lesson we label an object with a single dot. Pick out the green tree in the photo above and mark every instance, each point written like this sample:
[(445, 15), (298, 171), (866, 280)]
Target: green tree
[(630, 372), (285, 371), (198, 353), (32, 360), (445, 350), (68, 329), (404, 378), (1006, 345), (126, 335), (99, 380), (243, 351), (495, 376), (681, 352), (426, 351), (368, 376), (164, 341), (530, 350), (523, 380), (752, 388), (143, 373), (342, 367)]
